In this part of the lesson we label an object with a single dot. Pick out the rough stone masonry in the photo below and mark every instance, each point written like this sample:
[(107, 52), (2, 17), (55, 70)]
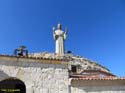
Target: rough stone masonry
[(39, 76)]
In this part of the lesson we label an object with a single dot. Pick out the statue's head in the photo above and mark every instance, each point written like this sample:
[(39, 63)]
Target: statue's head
[(59, 26)]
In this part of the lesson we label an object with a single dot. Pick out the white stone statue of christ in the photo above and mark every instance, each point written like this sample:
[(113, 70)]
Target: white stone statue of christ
[(59, 37)]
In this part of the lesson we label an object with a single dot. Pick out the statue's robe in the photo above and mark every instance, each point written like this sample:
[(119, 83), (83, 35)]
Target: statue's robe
[(59, 37)]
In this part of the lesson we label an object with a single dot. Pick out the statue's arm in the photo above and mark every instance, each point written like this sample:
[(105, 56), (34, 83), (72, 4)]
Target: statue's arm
[(64, 36), (54, 34), (65, 33)]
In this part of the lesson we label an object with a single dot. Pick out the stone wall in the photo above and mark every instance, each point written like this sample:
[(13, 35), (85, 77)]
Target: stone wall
[(97, 89), (39, 77), (98, 86)]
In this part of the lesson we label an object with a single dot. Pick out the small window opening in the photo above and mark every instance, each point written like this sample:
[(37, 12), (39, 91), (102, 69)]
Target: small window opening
[(74, 69)]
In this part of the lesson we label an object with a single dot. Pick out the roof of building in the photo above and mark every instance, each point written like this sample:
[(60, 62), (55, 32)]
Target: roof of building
[(99, 78), (84, 63), (95, 75)]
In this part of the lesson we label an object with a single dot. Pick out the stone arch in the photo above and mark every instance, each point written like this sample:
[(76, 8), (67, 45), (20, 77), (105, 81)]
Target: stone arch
[(12, 85)]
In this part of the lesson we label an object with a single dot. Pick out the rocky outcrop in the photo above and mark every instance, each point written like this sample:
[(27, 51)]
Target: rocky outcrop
[(84, 63)]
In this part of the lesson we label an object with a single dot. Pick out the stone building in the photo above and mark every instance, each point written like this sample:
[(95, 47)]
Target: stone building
[(57, 72)]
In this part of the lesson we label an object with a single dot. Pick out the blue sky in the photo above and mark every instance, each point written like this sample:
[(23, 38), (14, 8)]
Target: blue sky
[(96, 28)]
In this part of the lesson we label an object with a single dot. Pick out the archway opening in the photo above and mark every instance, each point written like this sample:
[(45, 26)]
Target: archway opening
[(12, 85)]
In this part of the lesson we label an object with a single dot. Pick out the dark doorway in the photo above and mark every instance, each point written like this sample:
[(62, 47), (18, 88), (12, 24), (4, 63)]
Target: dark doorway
[(12, 85)]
